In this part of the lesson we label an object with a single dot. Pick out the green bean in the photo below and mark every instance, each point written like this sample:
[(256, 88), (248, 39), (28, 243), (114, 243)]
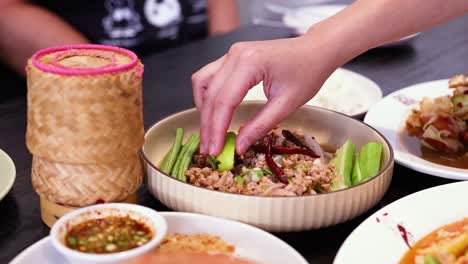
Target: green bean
[(187, 158), (164, 161), (171, 160), (182, 152)]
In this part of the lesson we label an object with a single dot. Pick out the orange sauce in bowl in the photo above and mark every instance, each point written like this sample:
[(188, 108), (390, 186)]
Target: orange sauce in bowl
[(431, 239)]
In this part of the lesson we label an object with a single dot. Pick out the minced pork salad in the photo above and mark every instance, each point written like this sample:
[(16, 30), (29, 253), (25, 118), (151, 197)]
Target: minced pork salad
[(282, 163)]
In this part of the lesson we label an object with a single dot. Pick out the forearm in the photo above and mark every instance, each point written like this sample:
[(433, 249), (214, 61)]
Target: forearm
[(26, 28), (370, 23), (223, 16)]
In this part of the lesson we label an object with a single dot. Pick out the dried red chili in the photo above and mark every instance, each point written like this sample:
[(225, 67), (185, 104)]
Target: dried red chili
[(291, 137), (277, 171), (279, 150)]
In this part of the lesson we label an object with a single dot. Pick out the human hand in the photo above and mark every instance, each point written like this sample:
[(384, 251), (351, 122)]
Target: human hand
[(292, 71)]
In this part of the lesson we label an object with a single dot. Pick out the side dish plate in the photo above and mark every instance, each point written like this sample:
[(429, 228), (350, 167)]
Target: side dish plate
[(381, 237), (7, 174), (250, 242), (344, 91), (389, 116)]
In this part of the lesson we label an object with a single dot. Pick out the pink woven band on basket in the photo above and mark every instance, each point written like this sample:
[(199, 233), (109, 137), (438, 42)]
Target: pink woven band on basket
[(62, 51)]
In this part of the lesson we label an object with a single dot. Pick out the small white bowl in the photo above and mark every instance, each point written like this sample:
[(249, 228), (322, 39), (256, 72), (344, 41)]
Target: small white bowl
[(152, 219)]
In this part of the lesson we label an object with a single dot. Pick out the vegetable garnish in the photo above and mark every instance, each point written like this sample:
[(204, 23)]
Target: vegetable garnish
[(214, 162), (277, 171), (280, 150), (226, 157), (343, 162), (167, 166), (367, 163), (108, 235), (185, 157), (240, 180), (291, 137)]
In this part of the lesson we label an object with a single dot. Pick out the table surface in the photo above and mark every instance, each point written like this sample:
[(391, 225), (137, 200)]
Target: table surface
[(436, 54)]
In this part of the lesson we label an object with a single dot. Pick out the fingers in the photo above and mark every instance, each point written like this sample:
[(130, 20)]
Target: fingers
[(202, 78), (271, 115), (208, 107), (225, 103), (230, 85)]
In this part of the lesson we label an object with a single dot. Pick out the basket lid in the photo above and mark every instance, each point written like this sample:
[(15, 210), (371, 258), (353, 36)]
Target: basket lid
[(87, 59)]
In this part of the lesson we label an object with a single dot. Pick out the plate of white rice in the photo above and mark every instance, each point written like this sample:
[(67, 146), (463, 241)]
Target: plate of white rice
[(344, 91)]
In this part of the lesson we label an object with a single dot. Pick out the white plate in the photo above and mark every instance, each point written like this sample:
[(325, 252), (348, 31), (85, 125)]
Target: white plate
[(379, 241), (389, 116), (301, 19), (250, 242), (344, 91), (7, 174)]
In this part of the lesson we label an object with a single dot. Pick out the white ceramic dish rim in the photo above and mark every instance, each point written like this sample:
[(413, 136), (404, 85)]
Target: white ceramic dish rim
[(159, 224), (338, 257), (375, 89), (380, 174), (12, 173), (298, 256), (422, 165)]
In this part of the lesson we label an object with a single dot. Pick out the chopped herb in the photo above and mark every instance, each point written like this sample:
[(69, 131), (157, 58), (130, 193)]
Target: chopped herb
[(267, 171), (317, 188), (214, 162), (258, 172), (240, 180), (290, 180), (71, 240)]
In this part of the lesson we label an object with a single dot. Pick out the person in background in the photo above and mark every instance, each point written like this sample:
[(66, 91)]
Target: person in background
[(143, 26), (294, 69)]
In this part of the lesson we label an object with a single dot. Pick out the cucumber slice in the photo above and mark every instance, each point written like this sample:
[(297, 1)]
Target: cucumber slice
[(368, 162), (356, 177), (226, 157), (343, 162)]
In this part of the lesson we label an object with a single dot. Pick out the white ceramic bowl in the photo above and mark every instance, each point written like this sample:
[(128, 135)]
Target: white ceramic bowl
[(152, 219), (270, 213)]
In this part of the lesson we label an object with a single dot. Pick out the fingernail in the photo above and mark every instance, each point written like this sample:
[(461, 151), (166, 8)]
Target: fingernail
[(212, 150), (203, 149), (240, 148)]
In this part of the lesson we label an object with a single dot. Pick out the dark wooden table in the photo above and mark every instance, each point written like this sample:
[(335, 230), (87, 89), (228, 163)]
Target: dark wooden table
[(435, 54)]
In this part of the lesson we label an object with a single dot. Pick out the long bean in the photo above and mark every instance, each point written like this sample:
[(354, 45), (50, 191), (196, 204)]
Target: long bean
[(164, 161), (182, 152), (171, 160), (187, 158)]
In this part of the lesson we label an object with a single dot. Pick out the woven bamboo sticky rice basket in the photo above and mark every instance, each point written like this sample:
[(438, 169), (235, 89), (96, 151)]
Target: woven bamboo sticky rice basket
[(85, 125)]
